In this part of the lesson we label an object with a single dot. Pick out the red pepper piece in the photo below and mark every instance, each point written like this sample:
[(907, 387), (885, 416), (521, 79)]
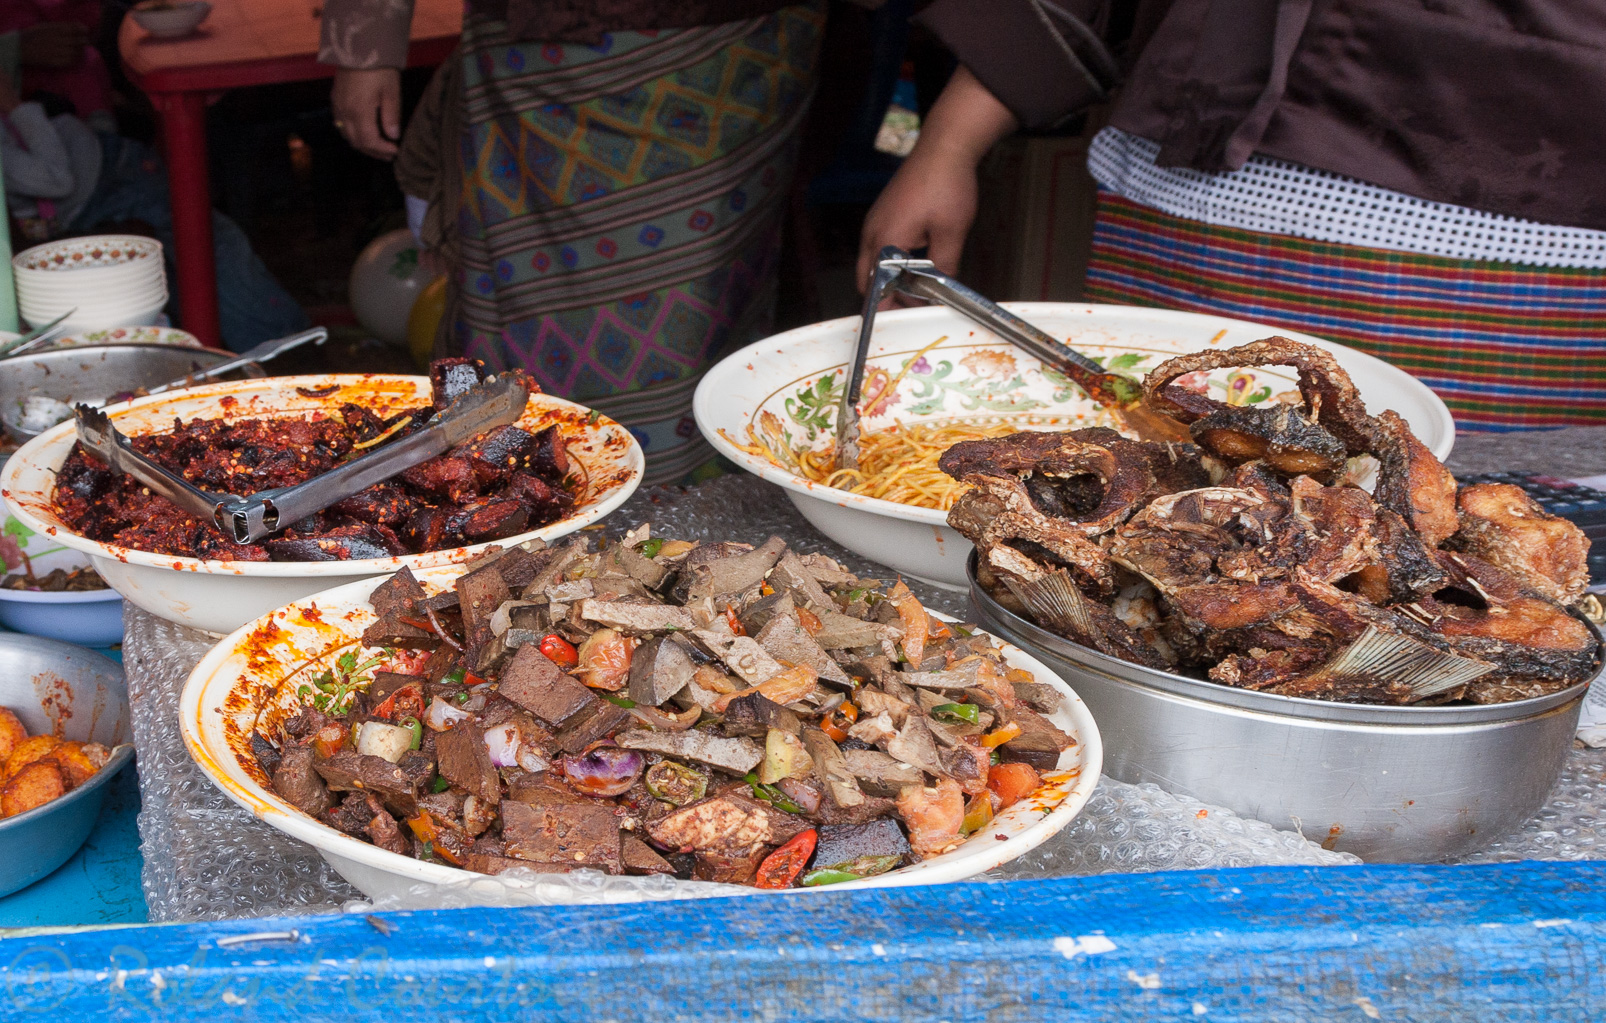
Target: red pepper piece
[(782, 867), (560, 651)]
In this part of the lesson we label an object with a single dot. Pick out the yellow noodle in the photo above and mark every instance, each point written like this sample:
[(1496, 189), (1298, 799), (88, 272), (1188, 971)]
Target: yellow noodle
[(895, 464)]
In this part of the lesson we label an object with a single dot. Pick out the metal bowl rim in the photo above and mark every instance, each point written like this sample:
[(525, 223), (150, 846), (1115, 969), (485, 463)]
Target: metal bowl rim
[(1036, 638), (57, 354)]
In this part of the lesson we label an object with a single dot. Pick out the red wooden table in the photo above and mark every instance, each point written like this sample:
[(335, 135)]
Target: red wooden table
[(242, 43)]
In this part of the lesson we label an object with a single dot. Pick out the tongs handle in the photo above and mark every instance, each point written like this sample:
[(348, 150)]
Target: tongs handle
[(261, 353), (103, 440), (496, 402), (847, 413)]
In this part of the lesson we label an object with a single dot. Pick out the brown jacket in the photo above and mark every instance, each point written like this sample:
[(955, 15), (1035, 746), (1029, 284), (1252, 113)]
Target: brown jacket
[(1499, 105)]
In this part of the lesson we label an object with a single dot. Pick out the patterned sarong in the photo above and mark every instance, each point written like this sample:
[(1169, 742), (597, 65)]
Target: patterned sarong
[(1507, 346), (620, 209)]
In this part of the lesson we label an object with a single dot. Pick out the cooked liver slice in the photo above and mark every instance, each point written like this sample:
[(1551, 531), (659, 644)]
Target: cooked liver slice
[(466, 762), (533, 682), (576, 834)]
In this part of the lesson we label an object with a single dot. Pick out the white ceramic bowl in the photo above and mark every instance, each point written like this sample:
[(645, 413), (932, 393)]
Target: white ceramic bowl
[(220, 596), (253, 674), (90, 259), (797, 378), (171, 22)]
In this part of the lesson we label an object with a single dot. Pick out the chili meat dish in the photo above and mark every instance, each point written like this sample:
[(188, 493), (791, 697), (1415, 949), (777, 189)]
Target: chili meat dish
[(504, 482), (716, 711), (1253, 559)]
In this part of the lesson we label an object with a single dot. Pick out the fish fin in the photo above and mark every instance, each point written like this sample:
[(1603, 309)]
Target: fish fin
[(1391, 658)]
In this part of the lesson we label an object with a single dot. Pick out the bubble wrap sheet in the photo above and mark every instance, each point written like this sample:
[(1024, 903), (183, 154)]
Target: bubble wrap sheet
[(207, 859)]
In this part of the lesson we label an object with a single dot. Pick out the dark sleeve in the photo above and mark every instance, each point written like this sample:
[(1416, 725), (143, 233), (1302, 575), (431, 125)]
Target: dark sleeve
[(362, 34), (1028, 54)]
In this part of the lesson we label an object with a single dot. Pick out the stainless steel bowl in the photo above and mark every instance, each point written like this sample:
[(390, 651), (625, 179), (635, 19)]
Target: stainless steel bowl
[(77, 694), (1390, 784), (94, 373)]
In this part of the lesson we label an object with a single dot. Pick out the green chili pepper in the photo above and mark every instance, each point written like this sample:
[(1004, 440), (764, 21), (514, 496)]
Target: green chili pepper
[(441, 784), (618, 701), (770, 794), (967, 712), (593, 417), (415, 726), (995, 758), (675, 783), (650, 548), (461, 698), (815, 878), (961, 630), (455, 677)]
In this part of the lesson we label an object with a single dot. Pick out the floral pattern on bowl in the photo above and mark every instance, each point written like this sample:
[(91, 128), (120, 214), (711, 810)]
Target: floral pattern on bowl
[(130, 336), (101, 251), (977, 383)]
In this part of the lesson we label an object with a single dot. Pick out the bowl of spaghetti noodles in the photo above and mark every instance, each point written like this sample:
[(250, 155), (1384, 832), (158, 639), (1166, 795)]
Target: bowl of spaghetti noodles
[(933, 379)]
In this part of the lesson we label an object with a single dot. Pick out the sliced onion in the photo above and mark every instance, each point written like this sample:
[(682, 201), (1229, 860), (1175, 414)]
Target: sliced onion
[(801, 793), (377, 739), (441, 715), (665, 721), (503, 743), (532, 759), (605, 771)]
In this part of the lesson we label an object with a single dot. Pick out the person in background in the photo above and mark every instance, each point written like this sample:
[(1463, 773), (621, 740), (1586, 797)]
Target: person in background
[(1423, 183), (51, 43), (62, 177), (606, 181)]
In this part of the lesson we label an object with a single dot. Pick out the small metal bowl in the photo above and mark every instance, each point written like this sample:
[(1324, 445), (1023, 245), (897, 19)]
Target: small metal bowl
[(77, 694), (1390, 784)]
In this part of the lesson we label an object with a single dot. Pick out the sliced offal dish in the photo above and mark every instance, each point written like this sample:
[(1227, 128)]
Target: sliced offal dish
[(503, 482), (718, 711), (1250, 557)]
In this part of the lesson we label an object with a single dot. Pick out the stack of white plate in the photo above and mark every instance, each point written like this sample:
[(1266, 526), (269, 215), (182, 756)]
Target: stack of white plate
[(105, 280)]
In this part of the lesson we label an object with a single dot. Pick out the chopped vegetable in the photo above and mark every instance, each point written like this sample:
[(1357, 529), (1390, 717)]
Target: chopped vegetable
[(916, 623), (426, 830), (789, 686), (618, 701), (605, 771), (1001, 735), (735, 623), (772, 795), (559, 651), (782, 867), (810, 621), (604, 660), (377, 739), (1013, 782), (455, 676), (416, 728), (650, 548), (966, 712), (814, 878), (978, 814), (676, 783), (440, 785), (784, 757)]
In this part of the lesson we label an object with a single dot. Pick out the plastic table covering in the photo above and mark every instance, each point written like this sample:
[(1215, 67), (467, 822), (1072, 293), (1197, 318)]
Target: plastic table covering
[(1491, 942)]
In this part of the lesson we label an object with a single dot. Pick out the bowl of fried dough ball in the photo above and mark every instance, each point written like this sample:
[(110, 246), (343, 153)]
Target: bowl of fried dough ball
[(64, 733)]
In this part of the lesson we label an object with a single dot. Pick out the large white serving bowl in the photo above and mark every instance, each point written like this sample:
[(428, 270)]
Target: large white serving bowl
[(793, 382), (251, 677), (220, 596)]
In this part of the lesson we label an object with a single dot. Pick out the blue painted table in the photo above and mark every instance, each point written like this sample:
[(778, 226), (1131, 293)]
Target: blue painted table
[(1523, 942)]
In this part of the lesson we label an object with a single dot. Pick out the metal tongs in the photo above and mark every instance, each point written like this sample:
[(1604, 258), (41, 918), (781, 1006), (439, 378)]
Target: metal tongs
[(897, 271), (498, 401)]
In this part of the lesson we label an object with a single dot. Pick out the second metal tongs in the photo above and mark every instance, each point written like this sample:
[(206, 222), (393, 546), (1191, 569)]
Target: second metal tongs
[(498, 401), (897, 271)]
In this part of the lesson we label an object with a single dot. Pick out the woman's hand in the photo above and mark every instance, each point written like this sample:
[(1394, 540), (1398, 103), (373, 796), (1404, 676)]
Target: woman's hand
[(931, 201), (367, 107)]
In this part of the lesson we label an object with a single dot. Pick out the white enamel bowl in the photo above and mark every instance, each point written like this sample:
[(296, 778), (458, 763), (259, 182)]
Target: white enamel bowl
[(220, 596), (252, 676), (793, 382)]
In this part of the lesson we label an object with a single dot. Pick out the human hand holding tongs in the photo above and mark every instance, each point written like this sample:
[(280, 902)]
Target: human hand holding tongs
[(897, 271)]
